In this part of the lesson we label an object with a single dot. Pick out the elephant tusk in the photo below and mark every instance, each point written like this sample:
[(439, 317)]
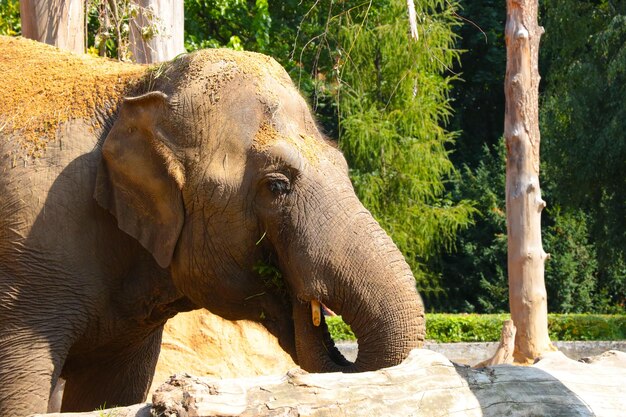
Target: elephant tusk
[(316, 314)]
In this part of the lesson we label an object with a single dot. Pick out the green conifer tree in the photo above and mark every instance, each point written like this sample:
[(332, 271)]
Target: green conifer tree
[(393, 101), (583, 124)]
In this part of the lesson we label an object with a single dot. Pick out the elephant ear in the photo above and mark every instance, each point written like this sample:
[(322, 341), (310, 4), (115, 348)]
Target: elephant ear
[(140, 179)]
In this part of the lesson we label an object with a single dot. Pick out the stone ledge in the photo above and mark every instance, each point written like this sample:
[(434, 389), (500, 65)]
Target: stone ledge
[(475, 352)]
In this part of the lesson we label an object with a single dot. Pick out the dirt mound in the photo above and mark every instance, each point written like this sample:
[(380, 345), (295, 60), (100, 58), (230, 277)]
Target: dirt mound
[(42, 87), (203, 344)]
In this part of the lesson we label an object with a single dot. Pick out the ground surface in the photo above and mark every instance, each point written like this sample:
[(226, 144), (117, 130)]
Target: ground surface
[(203, 344)]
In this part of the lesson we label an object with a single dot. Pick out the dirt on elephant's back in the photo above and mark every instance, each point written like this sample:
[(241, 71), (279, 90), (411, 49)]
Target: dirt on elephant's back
[(42, 87)]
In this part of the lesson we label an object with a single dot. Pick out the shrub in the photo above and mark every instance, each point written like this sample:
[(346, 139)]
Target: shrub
[(338, 329), (447, 328), (451, 328), (587, 327), (10, 17)]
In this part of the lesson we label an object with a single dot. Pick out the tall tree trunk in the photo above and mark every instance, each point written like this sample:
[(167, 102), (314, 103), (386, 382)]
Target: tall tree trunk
[(56, 22), (526, 257), (157, 33)]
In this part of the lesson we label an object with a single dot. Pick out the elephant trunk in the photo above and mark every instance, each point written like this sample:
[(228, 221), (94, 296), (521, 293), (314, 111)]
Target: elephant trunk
[(374, 291)]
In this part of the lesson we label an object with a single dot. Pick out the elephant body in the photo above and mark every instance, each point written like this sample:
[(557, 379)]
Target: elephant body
[(145, 192)]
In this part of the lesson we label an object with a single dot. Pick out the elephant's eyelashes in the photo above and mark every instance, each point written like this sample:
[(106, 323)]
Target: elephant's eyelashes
[(278, 184)]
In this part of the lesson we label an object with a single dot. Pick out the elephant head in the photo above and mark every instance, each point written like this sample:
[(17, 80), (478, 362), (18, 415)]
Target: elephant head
[(220, 171)]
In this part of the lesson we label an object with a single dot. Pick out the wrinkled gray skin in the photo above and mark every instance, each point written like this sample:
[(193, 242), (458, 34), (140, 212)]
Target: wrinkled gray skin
[(168, 207)]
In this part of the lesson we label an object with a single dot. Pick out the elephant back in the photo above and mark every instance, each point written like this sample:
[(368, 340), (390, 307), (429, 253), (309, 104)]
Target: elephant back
[(42, 87)]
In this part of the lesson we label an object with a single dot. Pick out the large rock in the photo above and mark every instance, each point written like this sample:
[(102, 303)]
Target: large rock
[(203, 344)]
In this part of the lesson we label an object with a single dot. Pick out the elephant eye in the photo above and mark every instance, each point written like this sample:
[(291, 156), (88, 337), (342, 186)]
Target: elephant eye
[(278, 184)]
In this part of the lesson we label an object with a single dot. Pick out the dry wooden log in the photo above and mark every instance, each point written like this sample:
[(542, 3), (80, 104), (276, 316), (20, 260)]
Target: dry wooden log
[(504, 353), (426, 384)]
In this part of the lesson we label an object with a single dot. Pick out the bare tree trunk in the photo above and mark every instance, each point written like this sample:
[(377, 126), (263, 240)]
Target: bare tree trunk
[(56, 22), (157, 33), (526, 257), (504, 353)]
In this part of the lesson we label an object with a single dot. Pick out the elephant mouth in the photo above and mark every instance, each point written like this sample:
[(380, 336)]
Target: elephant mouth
[(316, 349), (327, 340)]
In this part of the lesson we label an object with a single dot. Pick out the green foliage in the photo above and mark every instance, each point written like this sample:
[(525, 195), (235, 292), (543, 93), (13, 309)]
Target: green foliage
[(586, 327), (453, 328), (448, 328), (571, 271), (478, 94), (475, 275), (581, 121), (10, 24), (109, 26), (305, 41), (393, 101), (474, 272), (271, 276), (583, 124), (236, 24), (338, 329)]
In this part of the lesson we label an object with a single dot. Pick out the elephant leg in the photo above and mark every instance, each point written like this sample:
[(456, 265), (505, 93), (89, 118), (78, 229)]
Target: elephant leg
[(116, 378), (29, 368)]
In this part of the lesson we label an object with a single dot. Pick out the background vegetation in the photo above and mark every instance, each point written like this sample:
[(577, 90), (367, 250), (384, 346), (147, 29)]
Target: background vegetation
[(583, 63), (421, 123), (453, 328)]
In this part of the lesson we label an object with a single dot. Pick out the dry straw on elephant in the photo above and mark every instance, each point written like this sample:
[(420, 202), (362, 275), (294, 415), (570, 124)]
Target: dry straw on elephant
[(42, 87)]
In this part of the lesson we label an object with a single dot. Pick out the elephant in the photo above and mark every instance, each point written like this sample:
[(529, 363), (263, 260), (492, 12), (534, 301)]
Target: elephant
[(179, 190)]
